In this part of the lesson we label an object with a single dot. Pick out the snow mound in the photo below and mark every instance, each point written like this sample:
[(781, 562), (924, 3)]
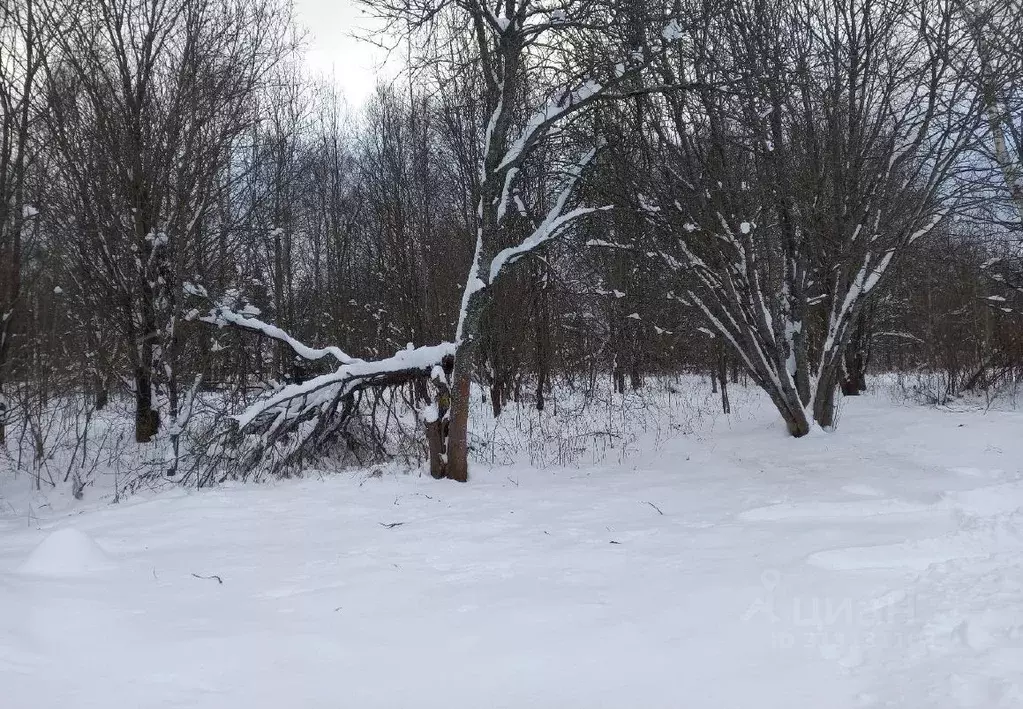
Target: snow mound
[(989, 500), (864, 490), (914, 557), (66, 552), (829, 510)]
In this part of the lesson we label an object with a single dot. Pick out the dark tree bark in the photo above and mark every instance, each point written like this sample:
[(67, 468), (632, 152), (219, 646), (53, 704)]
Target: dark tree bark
[(722, 375), (857, 357)]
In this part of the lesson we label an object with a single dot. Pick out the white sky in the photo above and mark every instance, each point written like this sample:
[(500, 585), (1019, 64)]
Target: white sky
[(332, 50)]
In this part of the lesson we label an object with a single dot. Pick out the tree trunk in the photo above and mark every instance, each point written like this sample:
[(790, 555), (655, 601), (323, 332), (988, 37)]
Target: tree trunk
[(436, 430), (457, 443), (457, 447), (722, 376), (496, 397), (854, 376), (147, 421), (824, 398), (796, 420), (100, 392), (635, 378), (543, 344), (435, 444), (853, 380)]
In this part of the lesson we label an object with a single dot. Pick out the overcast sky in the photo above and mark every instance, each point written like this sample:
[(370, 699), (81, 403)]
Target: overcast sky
[(333, 51)]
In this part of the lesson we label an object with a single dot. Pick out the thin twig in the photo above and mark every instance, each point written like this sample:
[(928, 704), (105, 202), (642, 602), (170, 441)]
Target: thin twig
[(655, 507), (214, 576)]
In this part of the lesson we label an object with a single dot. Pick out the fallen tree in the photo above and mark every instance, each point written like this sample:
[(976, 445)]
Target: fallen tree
[(299, 420), (524, 59)]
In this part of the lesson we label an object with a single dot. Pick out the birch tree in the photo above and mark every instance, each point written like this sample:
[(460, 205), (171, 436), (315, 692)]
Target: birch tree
[(995, 28)]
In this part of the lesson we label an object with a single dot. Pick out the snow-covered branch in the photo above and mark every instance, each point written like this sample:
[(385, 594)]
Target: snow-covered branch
[(556, 220), (297, 400), (226, 316), (540, 122)]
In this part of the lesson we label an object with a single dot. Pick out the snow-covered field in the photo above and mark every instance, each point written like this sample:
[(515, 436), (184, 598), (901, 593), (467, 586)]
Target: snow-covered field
[(731, 567)]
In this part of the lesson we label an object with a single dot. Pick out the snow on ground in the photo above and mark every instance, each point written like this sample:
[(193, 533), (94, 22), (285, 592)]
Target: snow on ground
[(66, 551), (880, 566)]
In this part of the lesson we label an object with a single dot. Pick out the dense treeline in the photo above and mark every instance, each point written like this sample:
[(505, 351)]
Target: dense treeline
[(554, 195)]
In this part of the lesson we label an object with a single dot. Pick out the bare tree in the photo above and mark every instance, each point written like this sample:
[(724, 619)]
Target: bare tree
[(527, 55), (788, 199), (148, 99), (26, 30), (539, 76)]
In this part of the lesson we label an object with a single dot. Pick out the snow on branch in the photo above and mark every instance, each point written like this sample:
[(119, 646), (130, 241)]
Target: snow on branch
[(900, 335), (310, 418), (556, 109), (296, 400), (225, 315), (928, 225), (601, 243), (556, 220)]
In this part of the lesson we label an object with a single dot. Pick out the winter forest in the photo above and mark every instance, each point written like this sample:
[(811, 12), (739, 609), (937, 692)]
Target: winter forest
[(724, 298)]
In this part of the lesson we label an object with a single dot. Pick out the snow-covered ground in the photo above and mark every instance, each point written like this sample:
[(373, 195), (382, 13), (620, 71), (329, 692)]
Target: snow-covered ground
[(731, 567)]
